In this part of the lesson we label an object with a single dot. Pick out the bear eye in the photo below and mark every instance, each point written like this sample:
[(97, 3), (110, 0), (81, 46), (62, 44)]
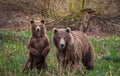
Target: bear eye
[(58, 37)]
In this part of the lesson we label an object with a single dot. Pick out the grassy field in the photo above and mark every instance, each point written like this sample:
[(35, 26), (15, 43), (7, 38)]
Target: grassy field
[(13, 55)]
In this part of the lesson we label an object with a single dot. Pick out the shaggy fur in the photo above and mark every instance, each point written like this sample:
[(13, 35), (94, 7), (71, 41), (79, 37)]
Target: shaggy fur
[(38, 46), (77, 49)]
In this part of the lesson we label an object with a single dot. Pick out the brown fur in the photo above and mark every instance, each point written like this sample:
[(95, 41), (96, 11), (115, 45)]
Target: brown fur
[(38, 46), (77, 49)]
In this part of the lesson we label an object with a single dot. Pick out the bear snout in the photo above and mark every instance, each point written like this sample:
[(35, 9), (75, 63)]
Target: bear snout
[(37, 28), (62, 43)]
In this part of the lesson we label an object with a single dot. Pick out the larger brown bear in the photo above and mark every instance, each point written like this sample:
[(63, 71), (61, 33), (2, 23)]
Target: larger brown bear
[(73, 48), (38, 47)]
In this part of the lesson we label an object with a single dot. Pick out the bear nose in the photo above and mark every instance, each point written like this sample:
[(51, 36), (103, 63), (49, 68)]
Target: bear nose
[(62, 45), (38, 29)]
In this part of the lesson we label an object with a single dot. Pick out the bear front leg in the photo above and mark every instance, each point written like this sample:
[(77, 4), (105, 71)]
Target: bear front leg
[(46, 51), (60, 60), (60, 66), (74, 64), (33, 51)]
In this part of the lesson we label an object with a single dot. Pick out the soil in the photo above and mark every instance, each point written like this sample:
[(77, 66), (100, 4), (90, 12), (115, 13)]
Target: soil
[(99, 26)]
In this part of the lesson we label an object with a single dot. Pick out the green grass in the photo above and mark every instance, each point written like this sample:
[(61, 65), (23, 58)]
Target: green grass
[(13, 55)]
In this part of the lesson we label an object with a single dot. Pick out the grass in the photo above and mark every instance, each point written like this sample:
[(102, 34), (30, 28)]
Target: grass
[(13, 55)]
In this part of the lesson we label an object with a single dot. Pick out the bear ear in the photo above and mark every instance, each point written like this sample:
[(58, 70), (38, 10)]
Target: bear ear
[(68, 30), (32, 21), (42, 21), (55, 30)]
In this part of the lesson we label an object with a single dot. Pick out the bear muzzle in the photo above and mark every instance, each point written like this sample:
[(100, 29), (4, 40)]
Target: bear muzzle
[(37, 28), (62, 43)]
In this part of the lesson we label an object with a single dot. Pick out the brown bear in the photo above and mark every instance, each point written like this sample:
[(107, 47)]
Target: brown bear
[(73, 48), (38, 46)]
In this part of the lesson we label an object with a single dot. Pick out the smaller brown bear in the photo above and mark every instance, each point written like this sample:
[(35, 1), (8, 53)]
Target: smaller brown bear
[(38, 46), (73, 48)]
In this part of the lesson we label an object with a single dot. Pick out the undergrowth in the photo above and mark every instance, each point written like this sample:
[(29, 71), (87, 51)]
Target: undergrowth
[(13, 55)]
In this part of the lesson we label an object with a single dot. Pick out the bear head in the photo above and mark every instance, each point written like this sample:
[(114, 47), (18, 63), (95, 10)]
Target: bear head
[(38, 28), (61, 37)]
